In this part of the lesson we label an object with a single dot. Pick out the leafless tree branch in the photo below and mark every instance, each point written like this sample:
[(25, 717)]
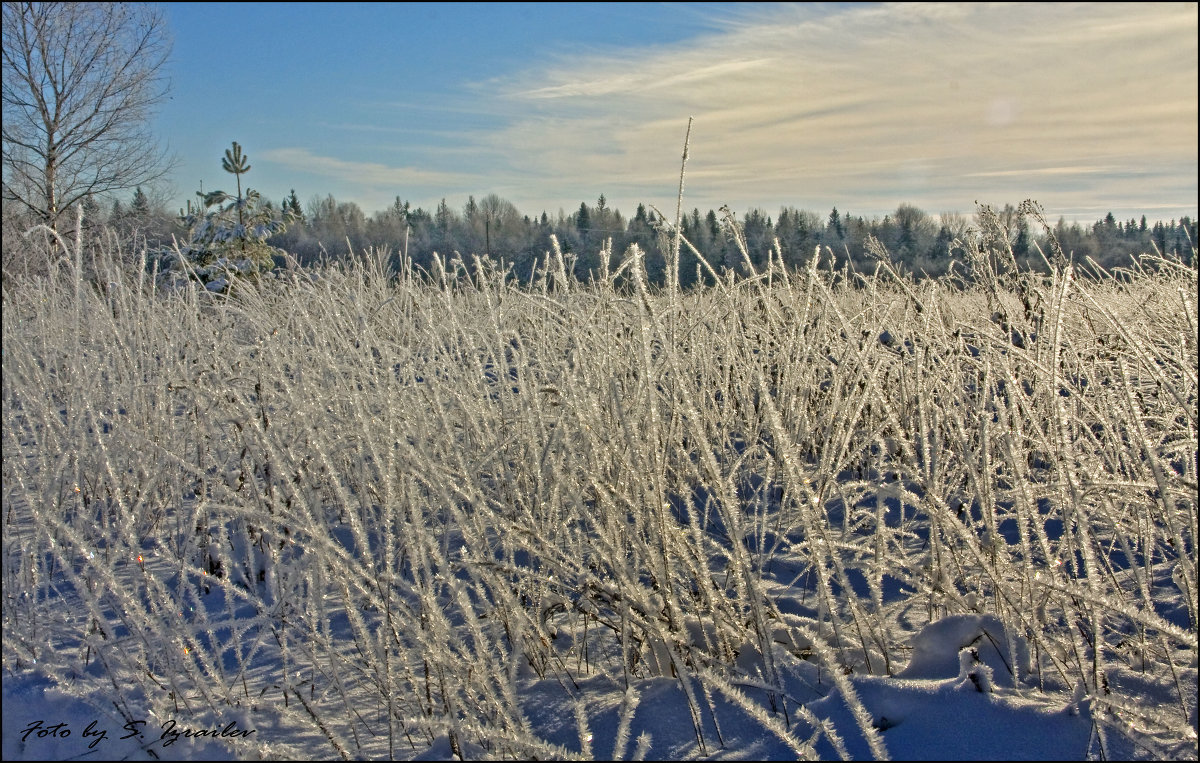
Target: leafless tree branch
[(80, 82)]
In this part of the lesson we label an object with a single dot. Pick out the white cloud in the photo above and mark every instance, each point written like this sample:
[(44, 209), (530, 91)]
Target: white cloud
[(1047, 171), (928, 103), (361, 173)]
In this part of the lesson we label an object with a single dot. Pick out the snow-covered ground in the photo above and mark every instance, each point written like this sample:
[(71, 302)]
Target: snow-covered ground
[(360, 517), (956, 700)]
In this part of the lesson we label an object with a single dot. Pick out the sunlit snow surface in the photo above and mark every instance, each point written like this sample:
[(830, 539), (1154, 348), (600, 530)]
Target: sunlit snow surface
[(931, 710), (44, 723)]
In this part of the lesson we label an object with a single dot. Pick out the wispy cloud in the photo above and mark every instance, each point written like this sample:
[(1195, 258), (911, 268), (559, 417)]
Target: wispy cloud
[(927, 103), (633, 84), (1044, 171), (364, 173)]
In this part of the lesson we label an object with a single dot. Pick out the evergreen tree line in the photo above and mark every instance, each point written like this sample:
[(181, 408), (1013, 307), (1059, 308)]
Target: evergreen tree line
[(919, 242), (325, 229)]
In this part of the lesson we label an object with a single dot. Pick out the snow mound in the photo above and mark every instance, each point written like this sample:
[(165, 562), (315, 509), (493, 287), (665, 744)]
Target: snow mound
[(962, 646)]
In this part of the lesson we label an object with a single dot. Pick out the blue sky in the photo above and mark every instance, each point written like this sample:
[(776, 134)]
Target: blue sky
[(1088, 108)]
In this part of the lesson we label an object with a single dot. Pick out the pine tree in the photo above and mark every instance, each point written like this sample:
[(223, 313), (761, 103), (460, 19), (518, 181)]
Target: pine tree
[(1022, 245), (235, 162), (400, 209), (91, 210), (140, 206), (227, 234), (835, 222), (291, 206), (583, 220)]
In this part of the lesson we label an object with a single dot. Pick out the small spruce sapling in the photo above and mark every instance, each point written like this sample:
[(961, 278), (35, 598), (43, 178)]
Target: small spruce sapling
[(227, 234)]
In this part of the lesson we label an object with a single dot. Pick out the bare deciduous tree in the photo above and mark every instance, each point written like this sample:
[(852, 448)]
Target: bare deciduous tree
[(80, 81)]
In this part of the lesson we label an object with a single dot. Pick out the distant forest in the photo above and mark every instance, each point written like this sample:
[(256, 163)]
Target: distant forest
[(920, 243)]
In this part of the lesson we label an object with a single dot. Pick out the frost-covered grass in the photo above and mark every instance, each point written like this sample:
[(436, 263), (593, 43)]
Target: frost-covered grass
[(422, 515)]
